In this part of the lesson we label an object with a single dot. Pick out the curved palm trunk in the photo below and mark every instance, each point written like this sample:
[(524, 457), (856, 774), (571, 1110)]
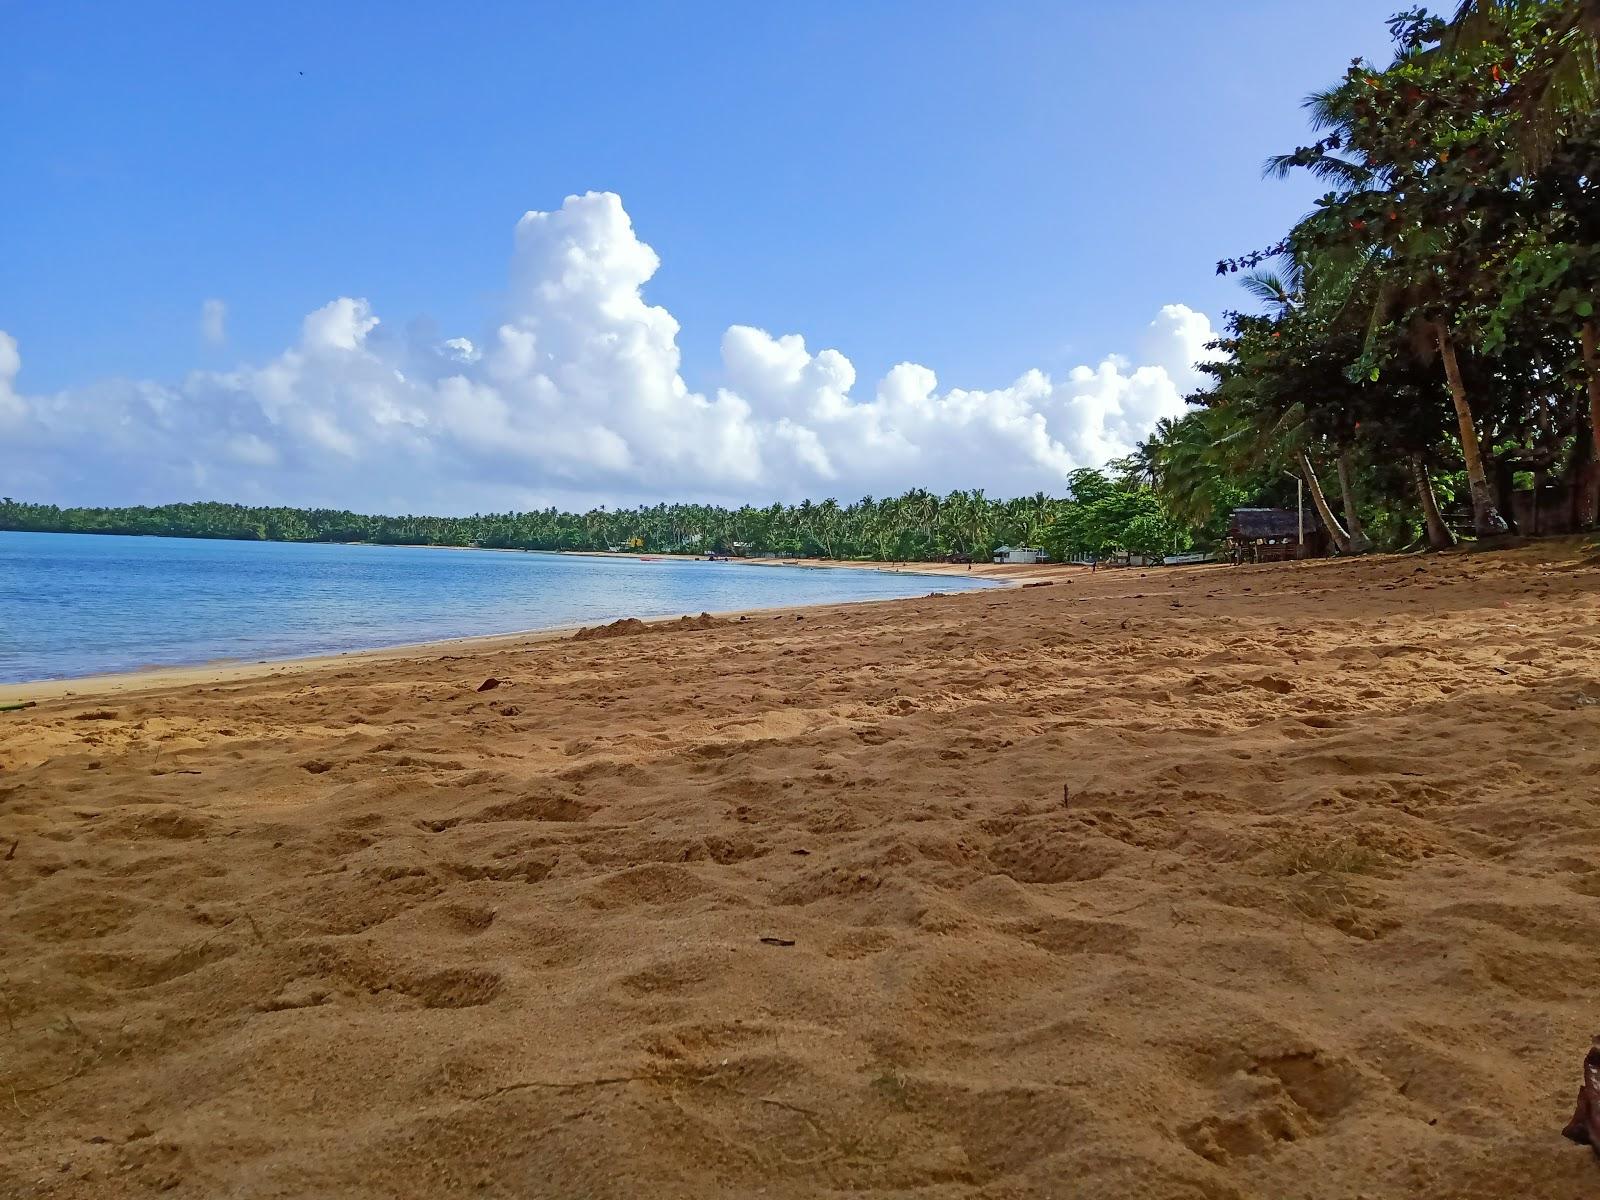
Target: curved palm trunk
[(1360, 543), (1336, 531), (1439, 535), (1486, 518)]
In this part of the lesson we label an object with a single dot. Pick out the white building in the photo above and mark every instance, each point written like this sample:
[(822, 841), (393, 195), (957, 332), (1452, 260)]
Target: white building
[(1025, 556)]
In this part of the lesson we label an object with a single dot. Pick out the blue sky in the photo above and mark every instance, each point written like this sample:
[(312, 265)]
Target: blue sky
[(983, 189)]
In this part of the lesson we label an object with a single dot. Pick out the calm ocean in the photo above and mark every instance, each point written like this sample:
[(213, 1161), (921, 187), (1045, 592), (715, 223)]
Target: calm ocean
[(76, 604)]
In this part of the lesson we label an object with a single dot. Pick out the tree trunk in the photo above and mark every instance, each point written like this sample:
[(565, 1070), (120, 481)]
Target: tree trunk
[(1359, 542), (1591, 370), (1505, 486), (1486, 518), (1341, 539), (1439, 535), (1579, 477)]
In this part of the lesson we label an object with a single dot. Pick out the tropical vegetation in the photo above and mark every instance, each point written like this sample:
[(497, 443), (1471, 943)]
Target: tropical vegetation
[(1102, 515), (1427, 341), (917, 525)]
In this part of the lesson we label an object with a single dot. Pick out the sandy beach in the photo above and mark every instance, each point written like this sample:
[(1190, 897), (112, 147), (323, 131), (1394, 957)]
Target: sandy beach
[(1207, 882)]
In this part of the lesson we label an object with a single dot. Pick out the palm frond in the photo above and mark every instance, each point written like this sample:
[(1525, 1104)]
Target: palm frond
[(1327, 108), (1268, 287), (1347, 174)]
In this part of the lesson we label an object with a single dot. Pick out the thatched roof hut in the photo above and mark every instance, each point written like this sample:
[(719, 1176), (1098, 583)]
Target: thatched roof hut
[(1273, 534)]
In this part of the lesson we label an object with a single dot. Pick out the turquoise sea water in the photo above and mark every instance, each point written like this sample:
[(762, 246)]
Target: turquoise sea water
[(79, 604)]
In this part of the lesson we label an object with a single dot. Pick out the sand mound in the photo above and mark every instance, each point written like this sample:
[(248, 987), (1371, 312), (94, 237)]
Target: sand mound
[(1288, 891), (629, 626)]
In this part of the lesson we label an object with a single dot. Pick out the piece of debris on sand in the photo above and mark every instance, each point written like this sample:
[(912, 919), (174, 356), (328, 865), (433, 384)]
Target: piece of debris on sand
[(1584, 1128)]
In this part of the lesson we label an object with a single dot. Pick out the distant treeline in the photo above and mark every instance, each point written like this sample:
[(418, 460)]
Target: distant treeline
[(1100, 514)]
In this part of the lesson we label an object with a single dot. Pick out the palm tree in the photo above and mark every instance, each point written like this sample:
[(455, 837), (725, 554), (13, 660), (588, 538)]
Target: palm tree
[(1395, 225), (1191, 455), (1283, 294), (1439, 535)]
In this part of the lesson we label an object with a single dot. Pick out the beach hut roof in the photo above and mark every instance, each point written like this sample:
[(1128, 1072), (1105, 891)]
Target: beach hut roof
[(1270, 522)]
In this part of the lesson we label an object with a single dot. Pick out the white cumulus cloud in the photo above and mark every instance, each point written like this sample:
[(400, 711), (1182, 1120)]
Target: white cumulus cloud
[(573, 395)]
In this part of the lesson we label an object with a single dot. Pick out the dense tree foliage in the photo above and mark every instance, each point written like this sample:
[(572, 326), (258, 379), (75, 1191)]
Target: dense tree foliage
[(1108, 515), (1429, 339)]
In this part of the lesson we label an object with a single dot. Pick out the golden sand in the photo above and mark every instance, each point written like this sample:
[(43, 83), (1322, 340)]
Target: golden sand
[(1259, 882)]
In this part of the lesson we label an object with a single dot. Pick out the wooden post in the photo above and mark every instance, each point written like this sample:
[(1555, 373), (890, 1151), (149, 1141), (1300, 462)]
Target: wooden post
[(1300, 516)]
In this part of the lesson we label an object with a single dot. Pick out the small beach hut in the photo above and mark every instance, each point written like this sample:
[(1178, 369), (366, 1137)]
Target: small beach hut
[(1274, 535), (1025, 556)]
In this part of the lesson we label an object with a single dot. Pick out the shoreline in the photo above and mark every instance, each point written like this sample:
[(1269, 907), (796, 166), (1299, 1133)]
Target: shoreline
[(217, 671)]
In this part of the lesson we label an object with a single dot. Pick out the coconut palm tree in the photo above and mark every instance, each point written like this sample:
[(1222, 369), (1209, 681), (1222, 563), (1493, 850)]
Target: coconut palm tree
[(1396, 228)]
